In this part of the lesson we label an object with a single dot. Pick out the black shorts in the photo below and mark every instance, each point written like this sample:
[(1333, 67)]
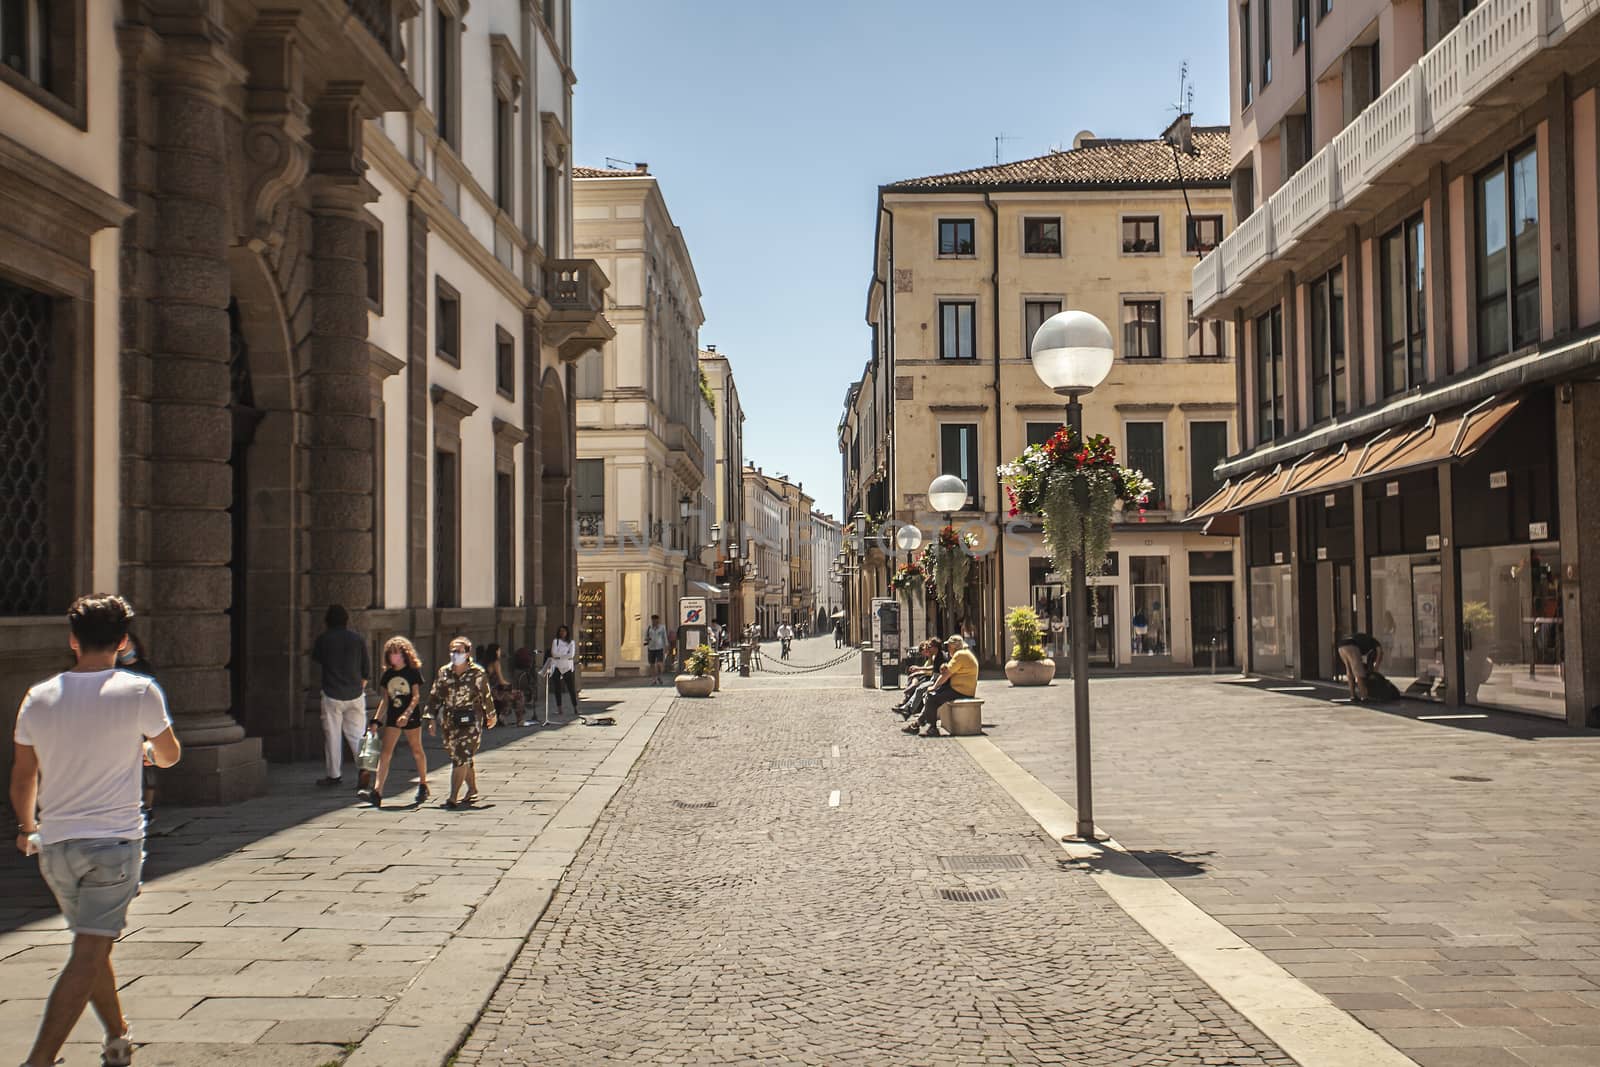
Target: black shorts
[(658, 655), (392, 718)]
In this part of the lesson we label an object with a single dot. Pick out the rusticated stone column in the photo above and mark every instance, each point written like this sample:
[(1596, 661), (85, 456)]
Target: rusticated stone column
[(185, 586), (341, 557)]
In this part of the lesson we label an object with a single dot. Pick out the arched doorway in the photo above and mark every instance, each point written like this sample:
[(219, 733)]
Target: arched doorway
[(268, 637), (556, 559)]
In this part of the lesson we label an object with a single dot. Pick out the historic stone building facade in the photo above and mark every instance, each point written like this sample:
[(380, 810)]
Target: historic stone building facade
[(308, 321), (642, 422), (965, 268)]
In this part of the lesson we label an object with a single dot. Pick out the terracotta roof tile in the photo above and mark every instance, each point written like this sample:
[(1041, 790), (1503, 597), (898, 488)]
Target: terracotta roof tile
[(608, 172), (1098, 162)]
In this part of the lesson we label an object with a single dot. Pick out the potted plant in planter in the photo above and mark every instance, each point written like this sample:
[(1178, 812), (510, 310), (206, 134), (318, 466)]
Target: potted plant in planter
[(696, 679), (1476, 622), (1028, 664)]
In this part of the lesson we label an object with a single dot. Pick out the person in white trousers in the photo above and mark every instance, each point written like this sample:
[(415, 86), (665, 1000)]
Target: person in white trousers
[(346, 667)]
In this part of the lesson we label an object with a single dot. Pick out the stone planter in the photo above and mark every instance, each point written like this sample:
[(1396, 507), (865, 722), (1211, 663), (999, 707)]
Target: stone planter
[(694, 685), (1031, 671)]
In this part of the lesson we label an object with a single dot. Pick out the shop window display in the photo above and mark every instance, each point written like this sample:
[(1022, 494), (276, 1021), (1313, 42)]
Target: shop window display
[(1511, 628), (1147, 579), (1272, 620), (1407, 607)]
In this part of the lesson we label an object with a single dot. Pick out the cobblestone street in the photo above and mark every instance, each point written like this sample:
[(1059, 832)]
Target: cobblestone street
[(786, 877)]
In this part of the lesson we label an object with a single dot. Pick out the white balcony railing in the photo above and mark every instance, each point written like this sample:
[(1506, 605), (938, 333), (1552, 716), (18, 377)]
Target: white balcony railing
[(1488, 44)]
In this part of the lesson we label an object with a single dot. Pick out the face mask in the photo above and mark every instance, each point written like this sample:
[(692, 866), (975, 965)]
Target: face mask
[(127, 656), (458, 658)]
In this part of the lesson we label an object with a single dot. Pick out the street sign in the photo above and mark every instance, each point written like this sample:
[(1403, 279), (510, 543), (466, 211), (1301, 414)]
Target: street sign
[(692, 611)]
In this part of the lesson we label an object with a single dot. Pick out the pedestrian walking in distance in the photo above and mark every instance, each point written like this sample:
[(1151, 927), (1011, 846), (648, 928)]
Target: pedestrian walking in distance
[(401, 714), (346, 668), (655, 642), (82, 739), (462, 708), (560, 667)]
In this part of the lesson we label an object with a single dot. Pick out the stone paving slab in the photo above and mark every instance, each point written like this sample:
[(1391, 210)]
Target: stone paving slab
[(1439, 880), (291, 929), (723, 911)]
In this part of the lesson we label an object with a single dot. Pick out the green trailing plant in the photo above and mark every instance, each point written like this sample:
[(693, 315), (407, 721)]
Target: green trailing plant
[(1027, 633), (1074, 484), (705, 391), (701, 661), (947, 563)]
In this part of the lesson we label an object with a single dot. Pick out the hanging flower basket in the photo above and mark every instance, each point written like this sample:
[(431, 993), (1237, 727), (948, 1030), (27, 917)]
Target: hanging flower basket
[(908, 579), (1074, 485), (947, 563)]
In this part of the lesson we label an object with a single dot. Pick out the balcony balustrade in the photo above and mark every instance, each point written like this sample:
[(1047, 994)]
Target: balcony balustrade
[(1464, 68), (575, 290), (382, 20)]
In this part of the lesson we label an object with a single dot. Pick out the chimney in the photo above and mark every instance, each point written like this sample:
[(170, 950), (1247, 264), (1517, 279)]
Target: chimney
[(711, 348), (1180, 134), (642, 168)]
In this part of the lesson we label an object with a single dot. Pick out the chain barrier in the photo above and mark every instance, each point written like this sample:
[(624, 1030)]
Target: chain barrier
[(759, 662)]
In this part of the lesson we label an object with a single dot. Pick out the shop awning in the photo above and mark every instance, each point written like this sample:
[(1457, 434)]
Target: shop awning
[(1446, 438), (838, 614), (709, 590)]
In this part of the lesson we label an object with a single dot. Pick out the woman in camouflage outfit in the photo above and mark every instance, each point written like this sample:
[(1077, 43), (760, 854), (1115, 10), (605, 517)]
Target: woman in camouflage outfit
[(462, 706)]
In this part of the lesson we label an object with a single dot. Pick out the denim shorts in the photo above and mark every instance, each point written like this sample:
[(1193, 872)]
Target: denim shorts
[(94, 880)]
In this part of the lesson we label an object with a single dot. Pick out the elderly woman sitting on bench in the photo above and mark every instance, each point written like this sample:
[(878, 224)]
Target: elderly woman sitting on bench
[(957, 680)]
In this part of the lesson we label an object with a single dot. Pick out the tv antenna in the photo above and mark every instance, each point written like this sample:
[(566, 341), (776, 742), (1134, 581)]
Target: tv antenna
[(613, 163), (1185, 104), (999, 140)]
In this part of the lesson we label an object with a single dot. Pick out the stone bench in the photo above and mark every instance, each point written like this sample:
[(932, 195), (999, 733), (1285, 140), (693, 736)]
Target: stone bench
[(962, 718)]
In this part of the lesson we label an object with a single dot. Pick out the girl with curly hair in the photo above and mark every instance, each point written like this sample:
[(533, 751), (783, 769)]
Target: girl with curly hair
[(401, 713)]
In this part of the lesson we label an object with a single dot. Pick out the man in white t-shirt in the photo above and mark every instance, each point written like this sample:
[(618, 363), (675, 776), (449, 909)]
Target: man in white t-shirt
[(82, 739)]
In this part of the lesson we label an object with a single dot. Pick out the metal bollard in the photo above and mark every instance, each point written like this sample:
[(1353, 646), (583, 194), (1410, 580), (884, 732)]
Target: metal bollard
[(744, 660), (869, 679)]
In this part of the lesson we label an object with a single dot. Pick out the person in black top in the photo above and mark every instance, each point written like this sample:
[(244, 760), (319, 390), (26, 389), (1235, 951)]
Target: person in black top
[(1361, 653), (921, 678), (402, 687)]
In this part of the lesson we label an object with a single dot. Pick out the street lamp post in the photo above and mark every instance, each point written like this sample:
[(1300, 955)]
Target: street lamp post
[(947, 494), (909, 539), (1072, 354)]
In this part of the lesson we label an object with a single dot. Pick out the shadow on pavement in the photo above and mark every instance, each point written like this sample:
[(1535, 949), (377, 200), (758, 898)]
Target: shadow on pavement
[(1160, 862), (1473, 719), (180, 837)]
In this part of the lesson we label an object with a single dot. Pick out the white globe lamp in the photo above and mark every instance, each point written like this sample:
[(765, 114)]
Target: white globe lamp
[(1072, 352), (908, 538), (947, 494)]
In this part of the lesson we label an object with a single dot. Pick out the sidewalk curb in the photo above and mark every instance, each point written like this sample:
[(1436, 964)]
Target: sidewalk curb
[(437, 1011), (1304, 1023)]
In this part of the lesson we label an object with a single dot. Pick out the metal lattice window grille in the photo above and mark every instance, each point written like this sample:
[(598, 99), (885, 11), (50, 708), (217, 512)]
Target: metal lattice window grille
[(25, 341)]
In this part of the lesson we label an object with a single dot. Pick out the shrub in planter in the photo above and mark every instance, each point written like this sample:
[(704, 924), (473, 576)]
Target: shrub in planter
[(697, 679), (1028, 664)]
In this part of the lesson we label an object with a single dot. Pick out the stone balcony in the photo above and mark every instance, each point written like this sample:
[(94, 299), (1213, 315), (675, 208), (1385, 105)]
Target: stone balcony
[(374, 30), (686, 450), (1456, 93), (575, 290)]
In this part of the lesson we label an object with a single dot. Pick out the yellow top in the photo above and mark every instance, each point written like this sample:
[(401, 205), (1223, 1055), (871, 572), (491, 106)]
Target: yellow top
[(964, 673)]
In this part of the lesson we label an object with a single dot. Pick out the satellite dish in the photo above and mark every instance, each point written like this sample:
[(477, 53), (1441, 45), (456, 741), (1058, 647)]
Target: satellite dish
[(1082, 136)]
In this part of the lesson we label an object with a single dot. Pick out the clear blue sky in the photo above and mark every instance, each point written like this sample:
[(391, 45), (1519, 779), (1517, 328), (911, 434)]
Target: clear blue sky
[(771, 126)]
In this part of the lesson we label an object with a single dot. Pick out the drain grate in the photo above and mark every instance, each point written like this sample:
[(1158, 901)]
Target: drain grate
[(1469, 778), (972, 896), (795, 765), (960, 864), (695, 805)]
